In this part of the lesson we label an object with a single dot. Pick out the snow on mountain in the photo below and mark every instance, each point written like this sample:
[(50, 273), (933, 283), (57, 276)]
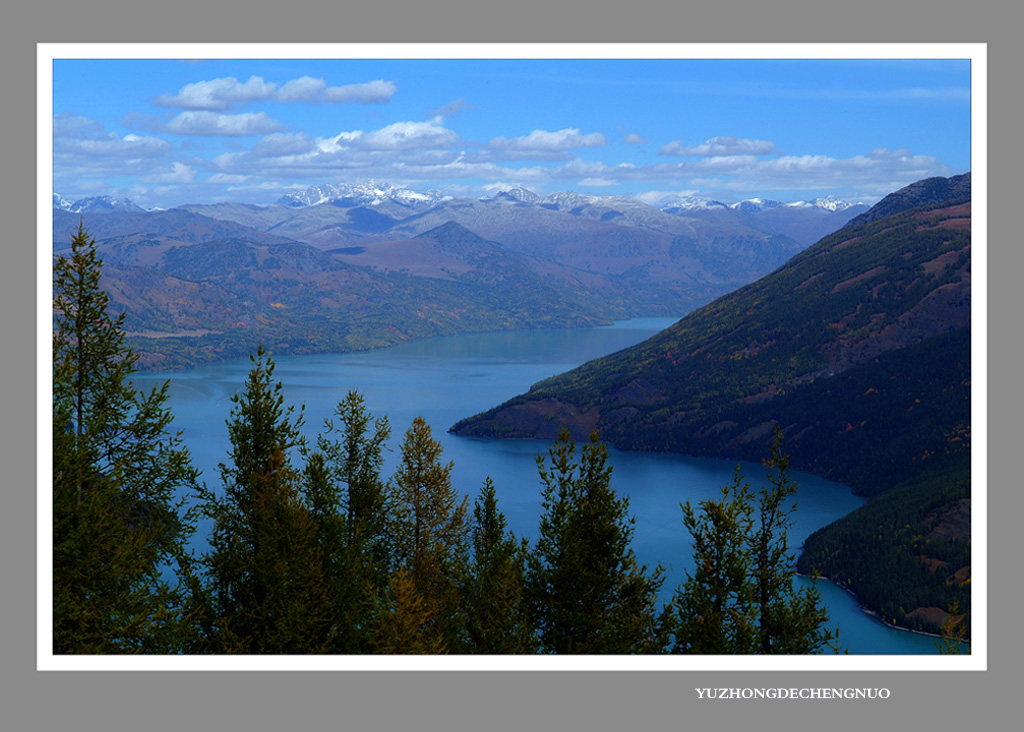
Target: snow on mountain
[(753, 205), (368, 193), (690, 203), (749, 205), (522, 195), (829, 203), (96, 204), (573, 202)]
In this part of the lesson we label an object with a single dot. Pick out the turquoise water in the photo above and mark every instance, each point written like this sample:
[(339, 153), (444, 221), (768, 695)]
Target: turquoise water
[(449, 378)]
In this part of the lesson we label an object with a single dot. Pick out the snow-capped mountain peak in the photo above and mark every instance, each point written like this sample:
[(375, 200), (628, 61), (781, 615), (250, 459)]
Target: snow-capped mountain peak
[(689, 203), (96, 204), (752, 205), (520, 194), (367, 193), (828, 203), (831, 203)]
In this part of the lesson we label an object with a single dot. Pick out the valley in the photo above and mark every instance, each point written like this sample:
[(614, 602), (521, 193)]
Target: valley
[(337, 269), (856, 347)]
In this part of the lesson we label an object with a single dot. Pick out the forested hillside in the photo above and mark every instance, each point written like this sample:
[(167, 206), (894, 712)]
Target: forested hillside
[(858, 349)]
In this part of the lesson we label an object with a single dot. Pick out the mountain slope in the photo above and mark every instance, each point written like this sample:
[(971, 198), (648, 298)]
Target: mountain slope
[(859, 350), (717, 381), (198, 298)]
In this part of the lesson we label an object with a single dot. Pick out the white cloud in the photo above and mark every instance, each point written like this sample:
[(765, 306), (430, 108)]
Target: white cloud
[(405, 135), (634, 139), (221, 95), (719, 146), (545, 141), (179, 173), (83, 139), (218, 95), (372, 92), (308, 89), (84, 154), (597, 182), (229, 125), (304, 89), (397, 136)]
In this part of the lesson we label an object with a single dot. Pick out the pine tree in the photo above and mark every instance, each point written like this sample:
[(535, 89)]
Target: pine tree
[(791, 621), (741, 597), (119, 525), (430, 533), (494, 593), (716, 603), (265, 590), (587, 591), (349, 505)]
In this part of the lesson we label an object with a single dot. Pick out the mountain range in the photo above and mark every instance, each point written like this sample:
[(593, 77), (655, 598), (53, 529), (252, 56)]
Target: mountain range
[(858, 350), (388, 264)]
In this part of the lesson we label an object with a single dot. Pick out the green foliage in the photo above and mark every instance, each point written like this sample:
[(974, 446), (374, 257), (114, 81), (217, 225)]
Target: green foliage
[(587, 592), (494, 592), (715, 606), (265, 589), (741, 598), (887, 553), (429, 529), (118, 530), (350, 506)]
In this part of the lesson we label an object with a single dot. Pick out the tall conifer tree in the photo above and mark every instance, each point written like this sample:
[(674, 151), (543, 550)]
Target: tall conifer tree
[(495, 590), (430, 534), (265, 589), (349, 504), (119, 525), (741, 597), (587, 590)]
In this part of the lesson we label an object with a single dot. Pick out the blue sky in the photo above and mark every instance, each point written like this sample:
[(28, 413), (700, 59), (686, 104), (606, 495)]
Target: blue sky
[(165, 132)]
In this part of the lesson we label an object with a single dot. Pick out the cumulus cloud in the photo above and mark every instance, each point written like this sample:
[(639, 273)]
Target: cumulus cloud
[(84, 152), (179, 173), (217, 95), (304, 89), (634, 139), (397, 136), (308, 89), (79, 136), (401, 146), (372, 92), (719, 146), (221, 95), (228, 125), (545, 141)]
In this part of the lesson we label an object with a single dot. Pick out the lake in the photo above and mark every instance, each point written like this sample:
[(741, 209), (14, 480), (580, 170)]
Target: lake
[(448, 378)]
